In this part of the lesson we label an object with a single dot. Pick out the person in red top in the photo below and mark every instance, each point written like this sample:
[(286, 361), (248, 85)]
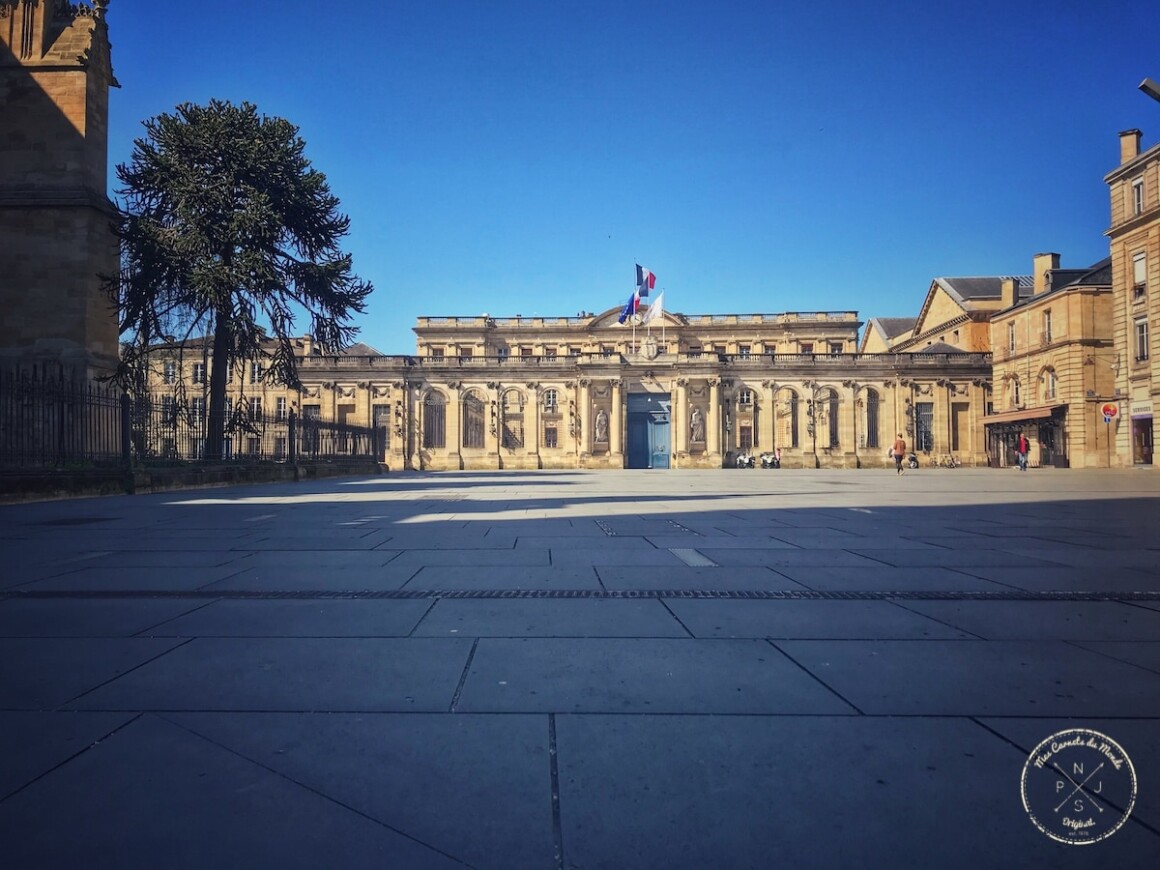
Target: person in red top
[(1022, 449), (898, 451)]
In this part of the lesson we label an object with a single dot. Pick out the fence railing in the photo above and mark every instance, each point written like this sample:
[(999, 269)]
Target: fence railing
[(53, 422)]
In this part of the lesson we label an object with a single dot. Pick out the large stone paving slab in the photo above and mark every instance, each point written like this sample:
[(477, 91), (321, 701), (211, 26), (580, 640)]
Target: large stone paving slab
[(35, 743), (477, 787), (43, 673), (289, 578), (786, 558), (1137, 737), (940, 557), (1044, 620), (298, 618), (178, 578), (156, 795), (545, 675), (1145, 654), (691, 792), (977, 678), (551, 618), (807, 619), (82, 617), (298, 674)]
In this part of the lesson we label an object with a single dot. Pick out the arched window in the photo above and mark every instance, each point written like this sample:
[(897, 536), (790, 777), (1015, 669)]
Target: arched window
[(474, 413), (1050, 385), (872, 401), (513, 419), (789, 422), (434, 420)]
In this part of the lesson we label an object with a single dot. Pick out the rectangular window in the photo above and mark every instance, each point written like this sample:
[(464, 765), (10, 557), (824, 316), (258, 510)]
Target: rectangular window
[(465, 352), (550, 435), (168, 409), (525, 351), (835, 347), (199, 373), (1047, 326), (253, 445), (1139, 276), (171, 373), (255, 372), (924, 426), (1138, 196), (280, 408), (502, 352), (549, 353), (1011, 338), (436, 353), (746, 436), (280, 447), (1141, 339), (197, 409), (807, 347), (605, 351), (255, 409), (743, 350), (745, 399), (381, 420)]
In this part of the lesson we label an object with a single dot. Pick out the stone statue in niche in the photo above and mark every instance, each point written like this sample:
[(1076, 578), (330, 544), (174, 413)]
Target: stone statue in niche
[(697, 426), (601, 426)]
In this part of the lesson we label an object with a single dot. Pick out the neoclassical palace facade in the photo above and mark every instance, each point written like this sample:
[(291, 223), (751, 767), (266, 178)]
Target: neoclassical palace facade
[(587, 392)]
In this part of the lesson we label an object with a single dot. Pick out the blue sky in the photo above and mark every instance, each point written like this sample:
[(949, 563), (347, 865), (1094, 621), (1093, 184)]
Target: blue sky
[(517, 157)]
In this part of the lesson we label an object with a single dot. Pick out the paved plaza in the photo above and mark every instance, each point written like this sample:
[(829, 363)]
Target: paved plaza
[(638, 669)]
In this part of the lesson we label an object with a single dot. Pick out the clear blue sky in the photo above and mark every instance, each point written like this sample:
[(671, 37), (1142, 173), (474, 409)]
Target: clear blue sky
[(520, 157)]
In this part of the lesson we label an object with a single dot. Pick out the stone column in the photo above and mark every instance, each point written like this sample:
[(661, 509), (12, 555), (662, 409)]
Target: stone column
[(769, 429), (492, 423), (681, 418), (616, 424), (584, 417), (713, 424), (454, 427), (533, 448)]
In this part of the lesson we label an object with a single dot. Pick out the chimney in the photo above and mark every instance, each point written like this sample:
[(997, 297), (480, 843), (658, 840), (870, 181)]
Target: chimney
[(1043, 264), (1129, 145), (1010, 294), (308, 345)]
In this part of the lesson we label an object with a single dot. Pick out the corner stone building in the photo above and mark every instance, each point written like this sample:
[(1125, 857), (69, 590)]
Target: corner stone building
[(55, 215), (586, 392)]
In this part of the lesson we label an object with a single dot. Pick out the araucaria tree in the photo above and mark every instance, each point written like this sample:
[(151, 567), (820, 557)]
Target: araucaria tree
[(228, 231)]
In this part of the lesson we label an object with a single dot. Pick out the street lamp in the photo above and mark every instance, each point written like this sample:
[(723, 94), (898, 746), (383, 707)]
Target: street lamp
[(1151, 88)]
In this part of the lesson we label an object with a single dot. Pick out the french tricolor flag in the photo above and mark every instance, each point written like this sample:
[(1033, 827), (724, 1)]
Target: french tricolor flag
[(645, 280)]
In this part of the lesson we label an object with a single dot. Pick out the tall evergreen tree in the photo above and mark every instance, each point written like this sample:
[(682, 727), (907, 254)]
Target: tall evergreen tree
[(228, 231)]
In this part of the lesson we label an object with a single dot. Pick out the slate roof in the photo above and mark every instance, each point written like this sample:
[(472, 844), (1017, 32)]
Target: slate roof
[(894, 326), (939, 347), (967, 289)]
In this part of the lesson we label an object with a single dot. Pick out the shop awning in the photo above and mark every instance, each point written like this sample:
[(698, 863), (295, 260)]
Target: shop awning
[(1018, 416)]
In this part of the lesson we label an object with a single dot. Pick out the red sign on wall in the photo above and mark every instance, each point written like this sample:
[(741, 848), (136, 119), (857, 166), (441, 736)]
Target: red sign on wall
[(1110, 409)]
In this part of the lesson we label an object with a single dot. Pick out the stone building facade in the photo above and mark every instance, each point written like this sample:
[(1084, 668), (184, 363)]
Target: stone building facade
[(55, 240), (1053, 367), (1134, 187), (584, 392)]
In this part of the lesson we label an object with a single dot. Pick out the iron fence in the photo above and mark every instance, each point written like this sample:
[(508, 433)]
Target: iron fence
[(53, 421)]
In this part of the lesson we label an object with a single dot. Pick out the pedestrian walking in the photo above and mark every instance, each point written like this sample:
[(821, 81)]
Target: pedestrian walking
[(898, 451), (1022, 448)]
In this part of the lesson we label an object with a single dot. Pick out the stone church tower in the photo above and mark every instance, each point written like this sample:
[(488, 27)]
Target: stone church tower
[(55, 214)]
